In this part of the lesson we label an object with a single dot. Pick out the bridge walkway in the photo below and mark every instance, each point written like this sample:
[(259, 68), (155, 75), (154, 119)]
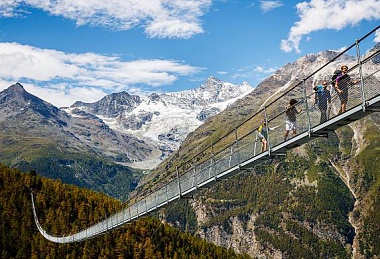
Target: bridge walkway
[(240, 149)]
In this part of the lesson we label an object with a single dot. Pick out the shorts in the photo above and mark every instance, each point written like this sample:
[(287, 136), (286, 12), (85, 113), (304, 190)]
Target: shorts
[(291, 125), (261, 136), (343, 97)]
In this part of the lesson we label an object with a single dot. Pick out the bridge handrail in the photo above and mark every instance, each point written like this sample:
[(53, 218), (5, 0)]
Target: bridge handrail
[(209, 165)]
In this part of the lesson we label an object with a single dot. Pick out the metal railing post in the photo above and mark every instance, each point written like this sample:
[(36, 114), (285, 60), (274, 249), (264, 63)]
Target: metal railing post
[(106, 222), (230, 158), (155, 200), (237, 146), (306, 107), (195, 178), (266, 128), (212, 159), (167, 196), (361, 75), (179, 183)]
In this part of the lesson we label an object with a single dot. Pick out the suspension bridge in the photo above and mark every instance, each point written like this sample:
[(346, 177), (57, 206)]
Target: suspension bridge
[(240, 150)]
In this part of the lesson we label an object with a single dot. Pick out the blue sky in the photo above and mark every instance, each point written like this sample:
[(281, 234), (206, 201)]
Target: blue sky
[(69, 50)]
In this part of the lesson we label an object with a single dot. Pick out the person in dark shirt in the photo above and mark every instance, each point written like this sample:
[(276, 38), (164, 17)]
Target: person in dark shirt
[(342, 83), (323, 100)]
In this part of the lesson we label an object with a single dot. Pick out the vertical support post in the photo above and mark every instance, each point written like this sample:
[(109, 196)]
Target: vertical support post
[(212, 160), (255, 143), (361, 75), (306, 107), (167, 197), (195, 178), (106, 222), (179, 183), (267, 127), (237, 146), (209, 169), (155, 200), (230, 158)]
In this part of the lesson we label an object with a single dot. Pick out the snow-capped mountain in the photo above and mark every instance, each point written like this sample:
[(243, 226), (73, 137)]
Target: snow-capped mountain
[(164, 118)]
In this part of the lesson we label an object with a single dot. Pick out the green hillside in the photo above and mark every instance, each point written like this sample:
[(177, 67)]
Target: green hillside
[(72, 166), (320, 200), (63, 209), (300, 204)]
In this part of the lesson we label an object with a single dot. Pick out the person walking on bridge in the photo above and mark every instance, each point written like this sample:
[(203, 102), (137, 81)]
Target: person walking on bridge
[(323, 100), (291, 118), (263, 135), (342, 82)]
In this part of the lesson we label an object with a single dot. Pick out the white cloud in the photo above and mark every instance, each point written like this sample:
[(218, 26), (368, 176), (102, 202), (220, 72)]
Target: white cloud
[(80, 76), (62, 95), (251, 5), (328, 14), (377, 36), (264, 70), (253, 72), (160, 18), (267, 6)]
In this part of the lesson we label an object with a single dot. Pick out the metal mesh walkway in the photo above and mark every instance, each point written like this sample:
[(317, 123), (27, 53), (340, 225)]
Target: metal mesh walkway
[(241, 149)]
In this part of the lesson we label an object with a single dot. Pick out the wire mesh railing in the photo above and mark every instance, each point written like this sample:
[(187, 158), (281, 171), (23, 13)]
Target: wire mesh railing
[(305, 104)]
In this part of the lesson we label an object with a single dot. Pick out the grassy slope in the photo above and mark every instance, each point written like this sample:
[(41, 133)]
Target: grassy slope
[(54, 160)]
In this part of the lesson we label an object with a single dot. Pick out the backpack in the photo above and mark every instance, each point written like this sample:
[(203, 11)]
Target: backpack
[(335, 75)]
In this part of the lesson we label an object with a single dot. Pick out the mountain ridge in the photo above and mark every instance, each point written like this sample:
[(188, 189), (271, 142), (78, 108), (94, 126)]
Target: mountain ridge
[(164, 119)]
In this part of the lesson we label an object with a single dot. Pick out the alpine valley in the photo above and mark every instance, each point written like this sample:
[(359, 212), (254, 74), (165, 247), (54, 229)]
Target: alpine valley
[(321, 200), (97, 145)]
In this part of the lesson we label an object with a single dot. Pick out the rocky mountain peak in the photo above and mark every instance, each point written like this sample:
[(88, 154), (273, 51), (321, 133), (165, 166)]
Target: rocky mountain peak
[(15, 100), (154, 97), (15, 90), (17, 87), (111, 105), (211, 82)]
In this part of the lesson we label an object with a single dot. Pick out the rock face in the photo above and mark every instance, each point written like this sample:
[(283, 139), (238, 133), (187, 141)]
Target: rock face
[(91, 145), (111, 105), (164, 119), (319, 201), (27, 115)]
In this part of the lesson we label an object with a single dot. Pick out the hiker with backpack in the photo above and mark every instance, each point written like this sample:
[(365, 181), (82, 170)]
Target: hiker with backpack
[(323, 101), (291, 118), (341, 84)]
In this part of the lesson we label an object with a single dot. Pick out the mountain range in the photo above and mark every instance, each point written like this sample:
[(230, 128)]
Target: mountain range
[(97, 145), (163, 120), (320, 200)]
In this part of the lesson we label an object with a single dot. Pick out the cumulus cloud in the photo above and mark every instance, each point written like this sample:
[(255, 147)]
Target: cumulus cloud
[(267, 6), (254, 73), (328, 14), (159, 18), (377, 36), (260, 69), (82, 75)]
